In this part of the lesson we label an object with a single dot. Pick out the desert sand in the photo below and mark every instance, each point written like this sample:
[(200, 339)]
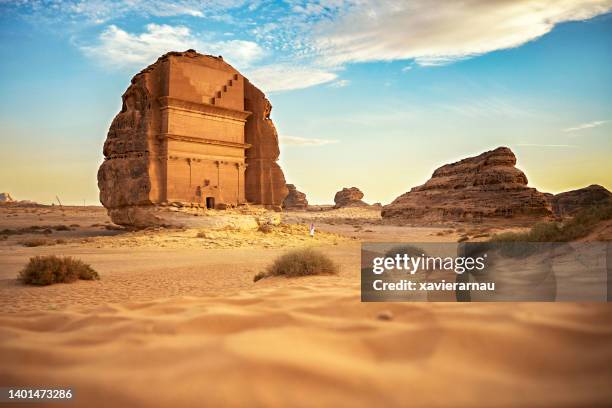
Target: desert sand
[(176, 320)]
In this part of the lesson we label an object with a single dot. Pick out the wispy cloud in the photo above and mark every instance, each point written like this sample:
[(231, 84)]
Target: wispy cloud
[(302, 141), (284, 77), (432, 35), (307, 41), (584, 126), (119, 49), (341, 83), (103, 11)]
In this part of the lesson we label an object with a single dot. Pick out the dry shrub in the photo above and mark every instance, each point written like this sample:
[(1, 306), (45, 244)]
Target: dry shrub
[(35, 242), (300, 262), (50, 269), (266, 228), (201, 234), (61, 227)]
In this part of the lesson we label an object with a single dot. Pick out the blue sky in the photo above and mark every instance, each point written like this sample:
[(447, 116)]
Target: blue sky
[(373, 94)]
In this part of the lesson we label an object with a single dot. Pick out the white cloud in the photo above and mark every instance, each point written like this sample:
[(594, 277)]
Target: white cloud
[(584, 126), (118, 48), (271, 78), (302, 141), (433, 33)]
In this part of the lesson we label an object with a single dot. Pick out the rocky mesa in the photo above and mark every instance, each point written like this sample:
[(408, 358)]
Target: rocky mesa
[(349, 197), (570, 202), (487, 186)]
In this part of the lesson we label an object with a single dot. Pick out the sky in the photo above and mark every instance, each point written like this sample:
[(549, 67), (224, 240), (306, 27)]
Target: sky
[(365, 93)]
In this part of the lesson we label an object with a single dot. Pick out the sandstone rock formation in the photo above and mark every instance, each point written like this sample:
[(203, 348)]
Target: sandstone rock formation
[(570, 202), (6, 198), (349, 197), (192, 130), (486, 186), (295, 200)]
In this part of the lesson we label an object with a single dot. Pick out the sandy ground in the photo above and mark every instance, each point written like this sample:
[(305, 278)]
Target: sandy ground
[(176, 320)]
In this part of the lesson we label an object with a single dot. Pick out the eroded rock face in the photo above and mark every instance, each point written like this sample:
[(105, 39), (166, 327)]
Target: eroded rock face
[(349, 197), (295, 200), (265, 181), (6, 198), (485, 186), (191, 130), (570, 202)]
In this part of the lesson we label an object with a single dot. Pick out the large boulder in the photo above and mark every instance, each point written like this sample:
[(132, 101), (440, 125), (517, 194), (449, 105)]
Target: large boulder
[(486, 186), (295, 200), (570, 202), (349, 197)]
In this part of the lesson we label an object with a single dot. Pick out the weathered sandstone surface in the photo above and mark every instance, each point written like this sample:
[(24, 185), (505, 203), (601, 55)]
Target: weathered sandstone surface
[(193, 131), (295, 200), (485, 186), (569, 202), (6, 198), (349, 197)]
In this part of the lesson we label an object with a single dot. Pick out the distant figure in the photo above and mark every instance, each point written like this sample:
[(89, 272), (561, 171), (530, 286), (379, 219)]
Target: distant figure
[(312, 230)]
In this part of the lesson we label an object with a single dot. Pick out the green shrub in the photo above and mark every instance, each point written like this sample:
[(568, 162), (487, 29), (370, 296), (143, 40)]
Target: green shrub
[(50, 269), (581, 225), (300, 262)]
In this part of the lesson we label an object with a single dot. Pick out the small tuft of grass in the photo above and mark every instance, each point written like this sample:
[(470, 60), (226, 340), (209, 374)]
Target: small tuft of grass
[(50, 269), (300, 262)]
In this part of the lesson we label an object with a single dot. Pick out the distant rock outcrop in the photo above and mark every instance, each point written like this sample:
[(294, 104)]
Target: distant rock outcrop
[(349, 197), (486, 186), (569, 202), (295, 200), (6, 198)]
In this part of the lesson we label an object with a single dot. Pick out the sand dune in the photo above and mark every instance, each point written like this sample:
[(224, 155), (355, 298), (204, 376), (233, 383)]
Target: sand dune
[(310, 342)]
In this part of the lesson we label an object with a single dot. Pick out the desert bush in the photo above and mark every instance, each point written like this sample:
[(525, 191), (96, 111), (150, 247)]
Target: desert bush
[(35, 242), (47, 270), (581, 225), (265, 228), (61, 227), (201, 234), (300, 262)]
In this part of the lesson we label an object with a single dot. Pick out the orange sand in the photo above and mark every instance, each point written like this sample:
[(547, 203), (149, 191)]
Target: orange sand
[(175, 326)]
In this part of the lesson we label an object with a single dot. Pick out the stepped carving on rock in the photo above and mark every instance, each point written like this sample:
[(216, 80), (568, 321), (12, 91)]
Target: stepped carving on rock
[(194, 132), (487, 186), (295, 200), (570, 202)]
